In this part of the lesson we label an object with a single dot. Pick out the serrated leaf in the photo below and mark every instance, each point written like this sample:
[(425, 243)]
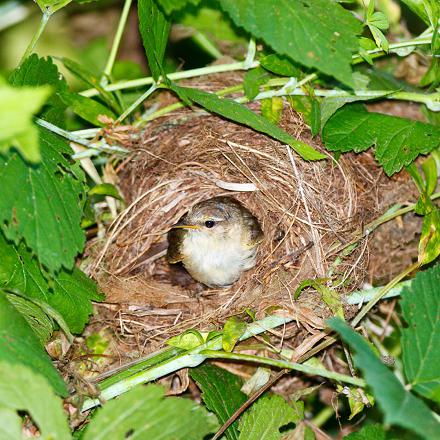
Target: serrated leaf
[(232, 331), (379, 20), (70, 292), (43, 204), (21, 389), (398, 141), (144, 412), (154, 28), (221, 394), (400, 407), (20, 346), (236, 112), (289, 27), (17, 106), (280, 65), (420, 340), (265, 418), (368, 432), (170, 6), (35, 71)]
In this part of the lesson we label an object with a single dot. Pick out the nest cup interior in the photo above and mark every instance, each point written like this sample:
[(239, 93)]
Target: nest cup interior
[(304, 208)]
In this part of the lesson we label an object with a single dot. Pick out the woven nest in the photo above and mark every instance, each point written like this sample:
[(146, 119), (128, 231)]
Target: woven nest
[(305, 209)]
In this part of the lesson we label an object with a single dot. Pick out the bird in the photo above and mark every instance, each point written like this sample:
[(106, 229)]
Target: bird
[(216, 241)]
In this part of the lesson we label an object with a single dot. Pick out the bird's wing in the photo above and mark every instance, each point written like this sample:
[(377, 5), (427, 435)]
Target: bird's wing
[(175, 239), (255, 234)]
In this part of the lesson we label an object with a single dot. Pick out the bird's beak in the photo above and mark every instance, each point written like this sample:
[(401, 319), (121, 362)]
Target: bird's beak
[(184, 226)]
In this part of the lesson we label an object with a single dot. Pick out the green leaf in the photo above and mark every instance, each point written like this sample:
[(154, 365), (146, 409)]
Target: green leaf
[(253, 79), (52, 6), (188, 340), (89, 78), (105, 189), (400, 407), (368, 432), (429, 245), (425, 9), (19, 345), (23, 390), (35, 71), (398, 141), (86, 108), (265, 418), (154, 28), (272, 109), (280, 65), (290, 28), (144, 412), (40, 323), (43, 204), (420, 340), (170, 6), (70, 292), (232, 331), (17, 106), (233, 110), (221, 394)]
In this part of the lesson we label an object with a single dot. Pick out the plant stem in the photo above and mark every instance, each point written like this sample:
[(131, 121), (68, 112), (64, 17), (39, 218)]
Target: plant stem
[(279, 363), (382, 292), (118, 37), (218, 68), (138, 101), (43, 22)]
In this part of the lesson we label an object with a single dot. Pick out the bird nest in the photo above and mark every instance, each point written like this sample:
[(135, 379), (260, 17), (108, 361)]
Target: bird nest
[(306, 210)]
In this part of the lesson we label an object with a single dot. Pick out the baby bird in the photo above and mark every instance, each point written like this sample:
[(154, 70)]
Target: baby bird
[(216, 240)]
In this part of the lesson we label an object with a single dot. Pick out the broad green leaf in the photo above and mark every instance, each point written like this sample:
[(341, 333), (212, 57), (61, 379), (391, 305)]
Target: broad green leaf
[(236, 112), (86, 108), (10, 427), (154, 28), (280, 65), (253, 79), (17, 106), (399, 406), (145, 413), (43, 204), (70, 292), (290, 28), (221, 394), (398, 141), (429, 245), (265, 418), (37, 71), (88, 77), (23, 390), (170, 6), (189, 339), (40, 323), (368, 432), (19, 345), (421, 339), (232, 331), (105, 189), (272, 109)]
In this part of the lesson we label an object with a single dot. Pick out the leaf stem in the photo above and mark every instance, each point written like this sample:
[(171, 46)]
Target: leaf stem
[(118, 37), (279, 363), (43, 22), (138, 101)]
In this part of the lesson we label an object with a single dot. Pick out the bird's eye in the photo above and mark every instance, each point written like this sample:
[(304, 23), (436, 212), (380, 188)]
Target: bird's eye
[(209, 223)]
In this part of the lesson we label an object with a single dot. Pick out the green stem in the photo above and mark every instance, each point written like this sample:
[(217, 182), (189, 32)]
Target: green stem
[(382, 292), (43, 22), (138, 101), (279, 363), (118, 37), (218, 68)]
